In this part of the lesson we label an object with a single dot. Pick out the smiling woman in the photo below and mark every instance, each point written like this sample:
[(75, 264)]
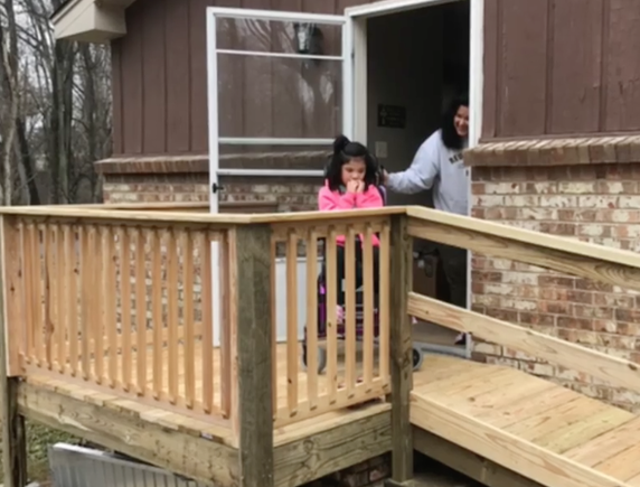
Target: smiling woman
[(438, 165)]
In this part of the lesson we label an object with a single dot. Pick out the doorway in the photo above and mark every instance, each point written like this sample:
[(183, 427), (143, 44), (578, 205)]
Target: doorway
[(408, 64)]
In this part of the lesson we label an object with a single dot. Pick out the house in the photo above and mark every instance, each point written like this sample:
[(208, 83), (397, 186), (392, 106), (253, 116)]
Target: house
[(554, 125)]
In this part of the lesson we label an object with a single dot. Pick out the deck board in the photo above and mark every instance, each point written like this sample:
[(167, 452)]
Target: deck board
[(550, 434)]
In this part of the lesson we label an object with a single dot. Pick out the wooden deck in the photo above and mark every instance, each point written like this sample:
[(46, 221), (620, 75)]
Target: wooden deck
[(549, 434), (545, 432), (204, 446), (208, 426), (172, 410)]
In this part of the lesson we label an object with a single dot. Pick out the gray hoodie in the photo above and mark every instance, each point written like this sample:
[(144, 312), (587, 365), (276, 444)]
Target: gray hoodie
[(434, 165)]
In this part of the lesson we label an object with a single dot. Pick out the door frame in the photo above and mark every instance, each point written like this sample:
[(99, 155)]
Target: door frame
[(358, 16)]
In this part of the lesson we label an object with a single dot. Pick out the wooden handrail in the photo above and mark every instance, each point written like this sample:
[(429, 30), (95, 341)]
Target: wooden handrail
[(71, 212), (614, 370), (591, 261), (514, 235)]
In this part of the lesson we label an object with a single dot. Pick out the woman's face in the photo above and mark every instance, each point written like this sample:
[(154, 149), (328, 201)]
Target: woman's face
[(461, 121)]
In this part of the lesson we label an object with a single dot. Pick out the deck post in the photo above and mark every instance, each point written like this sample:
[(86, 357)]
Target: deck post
[(14, 438), (255, 411), (401, 352)]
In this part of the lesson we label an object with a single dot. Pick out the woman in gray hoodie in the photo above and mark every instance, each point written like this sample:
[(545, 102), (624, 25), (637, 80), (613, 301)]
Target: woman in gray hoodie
[(438, 164)]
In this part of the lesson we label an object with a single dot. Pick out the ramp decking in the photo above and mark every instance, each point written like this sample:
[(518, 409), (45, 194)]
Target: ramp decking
[(550, 434)]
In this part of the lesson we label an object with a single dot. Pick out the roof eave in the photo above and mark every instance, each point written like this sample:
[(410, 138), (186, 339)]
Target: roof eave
[(92, 21)]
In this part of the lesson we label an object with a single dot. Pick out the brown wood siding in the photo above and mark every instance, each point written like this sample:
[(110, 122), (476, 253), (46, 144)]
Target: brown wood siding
[(561, 67), (160, 80)]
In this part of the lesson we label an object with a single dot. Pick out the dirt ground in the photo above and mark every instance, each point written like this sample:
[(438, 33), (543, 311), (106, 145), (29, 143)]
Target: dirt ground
[(39, 438)]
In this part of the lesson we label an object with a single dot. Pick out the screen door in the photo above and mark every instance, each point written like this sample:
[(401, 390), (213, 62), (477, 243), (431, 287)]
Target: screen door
[(279, 91)]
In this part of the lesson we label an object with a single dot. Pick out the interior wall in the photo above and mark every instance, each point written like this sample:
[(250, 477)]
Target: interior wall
[(404, 68), (414, 60)]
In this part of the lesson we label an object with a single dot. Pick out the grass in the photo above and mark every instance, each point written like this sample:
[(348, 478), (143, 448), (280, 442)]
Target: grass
[(39, 438)]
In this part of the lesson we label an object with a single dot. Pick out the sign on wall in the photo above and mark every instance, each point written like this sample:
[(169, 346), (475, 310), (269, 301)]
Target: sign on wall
[(392, 116)]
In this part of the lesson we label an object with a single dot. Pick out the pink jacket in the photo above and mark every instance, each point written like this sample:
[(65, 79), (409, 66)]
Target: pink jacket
[(334, 200)]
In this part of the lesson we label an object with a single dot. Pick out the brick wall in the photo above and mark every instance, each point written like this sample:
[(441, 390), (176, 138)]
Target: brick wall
[(597, 202), (288, 195), (371, 473), (186, 179)]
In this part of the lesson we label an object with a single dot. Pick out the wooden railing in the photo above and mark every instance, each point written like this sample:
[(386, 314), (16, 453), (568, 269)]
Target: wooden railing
[(593, 262), (118, 303), (344, 364), (122, 300)]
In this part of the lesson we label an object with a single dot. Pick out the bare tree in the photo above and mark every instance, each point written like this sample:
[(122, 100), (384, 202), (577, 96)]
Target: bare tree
[(62, 111), (11, 96)]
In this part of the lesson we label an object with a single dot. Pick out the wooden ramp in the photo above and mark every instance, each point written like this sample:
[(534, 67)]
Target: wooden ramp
[(545, 432)]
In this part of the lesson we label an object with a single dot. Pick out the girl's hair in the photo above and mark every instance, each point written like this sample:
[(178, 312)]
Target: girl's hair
[(343, 151), (450, 137)]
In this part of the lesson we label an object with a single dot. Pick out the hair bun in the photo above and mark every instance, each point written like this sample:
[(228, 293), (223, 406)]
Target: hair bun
[(340, 144)]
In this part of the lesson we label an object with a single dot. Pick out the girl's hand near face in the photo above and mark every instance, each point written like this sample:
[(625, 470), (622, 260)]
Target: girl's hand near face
[(352, 186), (360, 188)]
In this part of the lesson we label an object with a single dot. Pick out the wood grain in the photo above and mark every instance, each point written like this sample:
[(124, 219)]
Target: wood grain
[(596, 262), (333, 449), (614, 370), (14, 435), (255, 413), (104, 423), (401, 351), (503, 448)]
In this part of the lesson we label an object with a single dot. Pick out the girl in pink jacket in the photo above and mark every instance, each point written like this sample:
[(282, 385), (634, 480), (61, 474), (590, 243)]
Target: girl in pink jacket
[(351, 182)]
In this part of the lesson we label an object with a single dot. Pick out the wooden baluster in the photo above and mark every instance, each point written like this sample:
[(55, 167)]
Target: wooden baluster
[(63, 285), (331, 259), (232, 377), (312, 318), (172, 315), (88, 297), (384, 311), (111, 303), (189, 335), (225, 326), (72, 248), (369, 304), (207, 324), (102, 256), (350, 308), (30, 291), (292, 322), (274, 319), (156, 311), (125, 306), (48, 301), (141, 311)]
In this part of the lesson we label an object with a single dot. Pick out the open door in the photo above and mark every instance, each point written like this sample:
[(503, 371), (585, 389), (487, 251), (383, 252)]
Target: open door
[(279, 90)]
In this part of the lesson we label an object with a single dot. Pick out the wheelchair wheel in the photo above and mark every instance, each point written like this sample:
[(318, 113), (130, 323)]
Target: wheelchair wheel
[(418, 357), (322, 358)]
